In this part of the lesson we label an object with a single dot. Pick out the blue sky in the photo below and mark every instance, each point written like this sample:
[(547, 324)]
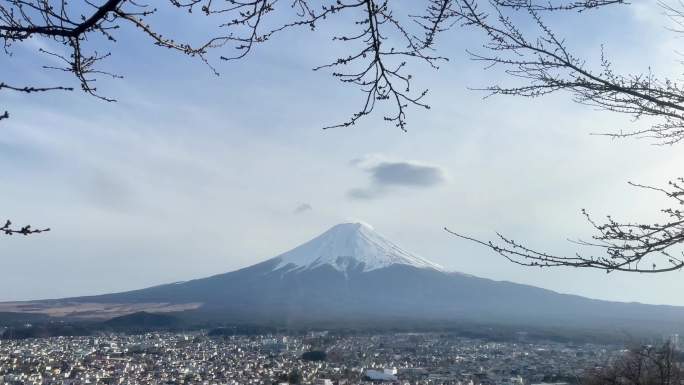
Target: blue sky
[(190, 174)]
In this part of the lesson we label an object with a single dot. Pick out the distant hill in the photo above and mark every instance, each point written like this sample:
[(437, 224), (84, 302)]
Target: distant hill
[(350, 274), (13, 319), (45, 329), (143, 321)]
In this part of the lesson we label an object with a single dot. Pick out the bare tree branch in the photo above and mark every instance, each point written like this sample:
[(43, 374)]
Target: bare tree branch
[(7, 229), (542, 64), (376, 64), (629, 247), (28, 90), (639, 365), (579, 6), (545, 65)]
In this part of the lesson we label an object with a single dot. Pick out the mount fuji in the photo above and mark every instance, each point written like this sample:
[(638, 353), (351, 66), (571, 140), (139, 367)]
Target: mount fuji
[(349, 246), (351, 273)]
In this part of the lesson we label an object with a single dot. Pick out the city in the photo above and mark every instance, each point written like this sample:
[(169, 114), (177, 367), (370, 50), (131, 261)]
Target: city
[(196, 358)]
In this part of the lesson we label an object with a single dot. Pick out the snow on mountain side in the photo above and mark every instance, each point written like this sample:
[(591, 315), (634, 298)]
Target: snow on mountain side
[(350, 245)]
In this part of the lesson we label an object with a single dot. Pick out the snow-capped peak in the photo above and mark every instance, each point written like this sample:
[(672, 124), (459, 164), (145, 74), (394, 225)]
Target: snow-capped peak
[(348, 245)]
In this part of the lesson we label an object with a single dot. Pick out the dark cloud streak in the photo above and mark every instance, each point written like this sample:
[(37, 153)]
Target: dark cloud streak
[(302, 208), (387, 175), (407, 174)]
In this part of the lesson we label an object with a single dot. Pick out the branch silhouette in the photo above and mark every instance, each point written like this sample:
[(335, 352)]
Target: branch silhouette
[(7, 229), (377, 45), (541, 63), (625, 246)]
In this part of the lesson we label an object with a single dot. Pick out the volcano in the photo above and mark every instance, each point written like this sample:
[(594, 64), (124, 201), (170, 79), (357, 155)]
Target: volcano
[(352, 273)]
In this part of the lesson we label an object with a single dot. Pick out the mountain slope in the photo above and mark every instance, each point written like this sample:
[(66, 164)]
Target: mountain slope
[(352, 273)]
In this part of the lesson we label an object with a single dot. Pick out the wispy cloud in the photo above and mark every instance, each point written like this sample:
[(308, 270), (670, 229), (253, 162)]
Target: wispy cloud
[(386, 176), (302, 208), (407, 174)]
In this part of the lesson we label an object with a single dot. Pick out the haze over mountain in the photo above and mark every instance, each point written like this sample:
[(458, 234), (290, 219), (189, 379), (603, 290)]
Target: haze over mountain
[(350, 272)]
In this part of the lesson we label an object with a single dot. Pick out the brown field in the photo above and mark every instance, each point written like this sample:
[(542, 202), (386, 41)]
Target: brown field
[(92, 310)]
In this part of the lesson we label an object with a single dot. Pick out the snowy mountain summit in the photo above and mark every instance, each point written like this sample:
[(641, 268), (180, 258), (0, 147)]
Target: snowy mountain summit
[(349, 246)]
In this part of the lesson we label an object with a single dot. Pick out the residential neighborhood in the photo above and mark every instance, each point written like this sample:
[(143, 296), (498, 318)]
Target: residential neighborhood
[(197, 358)]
